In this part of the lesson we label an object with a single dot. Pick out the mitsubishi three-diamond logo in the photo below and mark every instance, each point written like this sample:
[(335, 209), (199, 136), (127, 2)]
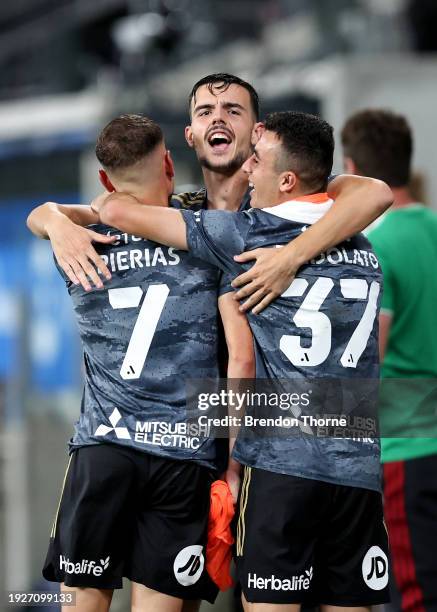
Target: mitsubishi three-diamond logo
[(122, 433)]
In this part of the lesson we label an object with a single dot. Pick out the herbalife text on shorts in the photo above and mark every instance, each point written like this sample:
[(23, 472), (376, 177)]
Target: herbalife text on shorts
[(85, 566), (273, 583), (251, 399)]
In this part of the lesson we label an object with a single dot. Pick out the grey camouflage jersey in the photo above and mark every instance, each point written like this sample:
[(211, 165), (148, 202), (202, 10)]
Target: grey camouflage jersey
[(197, 200), (153, 326), (322, 330)]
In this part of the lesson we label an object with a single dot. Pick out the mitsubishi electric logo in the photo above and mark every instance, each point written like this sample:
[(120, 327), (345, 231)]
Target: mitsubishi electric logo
[(84, 566), (188, 565), (122, 433), (375, 568), (295, 583)]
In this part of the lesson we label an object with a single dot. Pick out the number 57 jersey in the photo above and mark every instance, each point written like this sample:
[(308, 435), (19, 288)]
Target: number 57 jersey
[(152, 326), (320, 335)]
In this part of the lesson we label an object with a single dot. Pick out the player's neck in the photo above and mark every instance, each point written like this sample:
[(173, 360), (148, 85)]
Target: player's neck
[(401, 198), (225, 192), (153, 195)]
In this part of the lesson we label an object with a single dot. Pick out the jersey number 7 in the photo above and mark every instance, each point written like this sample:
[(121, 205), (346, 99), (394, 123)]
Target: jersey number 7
[(145, 325)]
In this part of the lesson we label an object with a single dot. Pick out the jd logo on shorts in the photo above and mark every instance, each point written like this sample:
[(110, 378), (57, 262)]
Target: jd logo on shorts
[(84, 566), (375, 568), (122, 433), (188, 565)]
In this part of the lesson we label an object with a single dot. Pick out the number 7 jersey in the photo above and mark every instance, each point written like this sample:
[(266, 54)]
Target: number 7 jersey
[(321, 333), (151, 327)]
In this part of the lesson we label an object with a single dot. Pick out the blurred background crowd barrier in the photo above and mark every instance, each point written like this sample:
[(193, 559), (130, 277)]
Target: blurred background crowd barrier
[(66, 68)]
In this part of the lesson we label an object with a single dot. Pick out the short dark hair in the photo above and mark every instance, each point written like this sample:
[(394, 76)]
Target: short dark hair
[(380, 143), (126, 140), (308, 144), (221, 81)]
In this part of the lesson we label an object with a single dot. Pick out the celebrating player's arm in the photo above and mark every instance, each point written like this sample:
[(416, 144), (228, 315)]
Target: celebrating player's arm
[(347, 216), (65, 227), (357, 203), (241, 365), (163, 225)]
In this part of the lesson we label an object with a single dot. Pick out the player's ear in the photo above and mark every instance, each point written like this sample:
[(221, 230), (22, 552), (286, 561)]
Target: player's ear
[(350, 167), (257, 131), (104, 179), (287, 182), (168, 165), (189, 136)]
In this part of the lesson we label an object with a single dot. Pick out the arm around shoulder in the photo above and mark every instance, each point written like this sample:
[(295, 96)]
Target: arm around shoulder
[(48, 214), (357, 202), (367, 197), (159, 223), (71, 243)]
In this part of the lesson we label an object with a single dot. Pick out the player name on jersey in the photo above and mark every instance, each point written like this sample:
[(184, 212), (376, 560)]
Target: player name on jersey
[(145, 257), (337, 256), (118, 261)]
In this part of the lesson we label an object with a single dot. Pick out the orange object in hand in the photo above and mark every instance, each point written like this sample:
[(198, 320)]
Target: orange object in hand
[(220, 540)]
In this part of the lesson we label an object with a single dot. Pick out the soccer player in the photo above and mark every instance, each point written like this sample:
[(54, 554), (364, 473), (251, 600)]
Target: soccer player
[(224, 127), (379, 143), (135, 499), (224, 113), (322, 539)]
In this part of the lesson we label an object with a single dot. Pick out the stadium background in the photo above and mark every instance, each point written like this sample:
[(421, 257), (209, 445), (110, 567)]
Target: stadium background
[(68, 66)]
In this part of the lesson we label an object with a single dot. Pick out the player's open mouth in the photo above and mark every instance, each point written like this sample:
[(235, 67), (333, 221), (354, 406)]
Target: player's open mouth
[(219, 140)]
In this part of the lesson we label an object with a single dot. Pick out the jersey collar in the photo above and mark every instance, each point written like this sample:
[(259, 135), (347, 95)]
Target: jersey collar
[(245, 202), (305, 209)]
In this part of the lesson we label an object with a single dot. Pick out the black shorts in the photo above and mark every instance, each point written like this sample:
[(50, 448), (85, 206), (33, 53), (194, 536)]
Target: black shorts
[(127, 513), (311, 542), (410, 508)]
